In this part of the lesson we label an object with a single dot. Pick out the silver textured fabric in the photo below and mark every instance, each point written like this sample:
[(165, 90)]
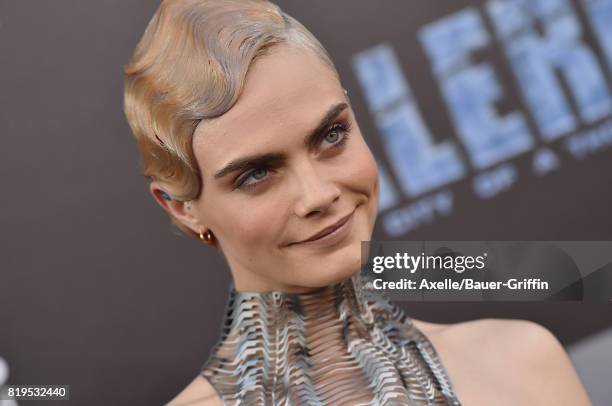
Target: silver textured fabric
[(342, 344)]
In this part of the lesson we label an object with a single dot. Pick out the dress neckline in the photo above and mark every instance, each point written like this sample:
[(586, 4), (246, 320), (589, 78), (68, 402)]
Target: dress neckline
[(342, 344)]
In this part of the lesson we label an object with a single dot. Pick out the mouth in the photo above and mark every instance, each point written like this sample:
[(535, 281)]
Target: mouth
[(327, 230)]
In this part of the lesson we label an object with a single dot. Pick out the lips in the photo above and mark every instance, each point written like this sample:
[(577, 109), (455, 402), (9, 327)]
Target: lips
[(326, 230)]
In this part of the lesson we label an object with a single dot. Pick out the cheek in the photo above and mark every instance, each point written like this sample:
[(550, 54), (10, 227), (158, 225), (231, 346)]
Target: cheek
[(255, 224), (362, 171)]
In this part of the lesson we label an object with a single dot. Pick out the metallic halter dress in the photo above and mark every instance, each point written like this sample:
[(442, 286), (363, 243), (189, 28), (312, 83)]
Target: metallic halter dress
[(343, 344)]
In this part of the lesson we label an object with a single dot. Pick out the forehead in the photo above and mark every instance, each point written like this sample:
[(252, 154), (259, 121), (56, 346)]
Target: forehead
[(286, 93)]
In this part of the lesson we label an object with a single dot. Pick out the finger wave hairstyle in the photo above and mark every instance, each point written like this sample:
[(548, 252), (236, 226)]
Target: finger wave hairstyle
[(190, 65)]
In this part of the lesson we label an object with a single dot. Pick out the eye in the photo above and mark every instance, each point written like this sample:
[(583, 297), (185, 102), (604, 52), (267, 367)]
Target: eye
[(336, 136), (253, 178)]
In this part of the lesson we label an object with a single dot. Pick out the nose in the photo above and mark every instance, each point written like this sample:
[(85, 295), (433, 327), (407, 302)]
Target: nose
[(317, 191)]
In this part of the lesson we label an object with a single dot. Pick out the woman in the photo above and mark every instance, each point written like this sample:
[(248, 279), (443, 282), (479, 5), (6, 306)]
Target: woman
[(252, 146)]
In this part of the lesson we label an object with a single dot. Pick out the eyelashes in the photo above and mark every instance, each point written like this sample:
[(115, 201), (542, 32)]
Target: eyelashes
[(341, 128)]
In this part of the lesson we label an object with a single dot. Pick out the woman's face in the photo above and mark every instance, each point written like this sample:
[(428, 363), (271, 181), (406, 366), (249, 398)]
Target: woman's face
[(286, 162)]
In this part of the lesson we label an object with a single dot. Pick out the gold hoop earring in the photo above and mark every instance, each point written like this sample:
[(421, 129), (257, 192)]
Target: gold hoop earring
[(207, 238)]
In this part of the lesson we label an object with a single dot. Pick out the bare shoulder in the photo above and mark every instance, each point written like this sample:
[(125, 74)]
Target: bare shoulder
[(198, 393), (519, 337), (496, 332), (518, 357)]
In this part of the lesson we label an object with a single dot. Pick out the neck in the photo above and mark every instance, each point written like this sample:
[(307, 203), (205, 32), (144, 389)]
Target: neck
[(350, 293), (340, 343)]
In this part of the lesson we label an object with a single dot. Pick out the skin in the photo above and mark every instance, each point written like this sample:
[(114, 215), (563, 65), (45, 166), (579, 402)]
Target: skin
[(287, 92)]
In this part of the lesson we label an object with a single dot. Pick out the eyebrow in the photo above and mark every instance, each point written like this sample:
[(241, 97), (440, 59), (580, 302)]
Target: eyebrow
[(262, 159)]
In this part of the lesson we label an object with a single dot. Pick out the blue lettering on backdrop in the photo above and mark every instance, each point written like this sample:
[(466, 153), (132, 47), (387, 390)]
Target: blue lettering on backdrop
[(388, 198), (600, 14), (400, 221), (535, 57), (492, 182), (419, 165), (470, 91), (591, 141), (544, 161)]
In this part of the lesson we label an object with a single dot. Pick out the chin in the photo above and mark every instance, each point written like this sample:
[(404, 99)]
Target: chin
[(331, 267), (341, 266)]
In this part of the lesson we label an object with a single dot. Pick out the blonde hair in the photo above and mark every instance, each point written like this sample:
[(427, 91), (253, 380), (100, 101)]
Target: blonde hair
[(190, 65)]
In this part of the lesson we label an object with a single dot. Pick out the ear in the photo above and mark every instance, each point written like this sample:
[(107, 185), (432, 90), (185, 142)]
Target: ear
[(176, 208)]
